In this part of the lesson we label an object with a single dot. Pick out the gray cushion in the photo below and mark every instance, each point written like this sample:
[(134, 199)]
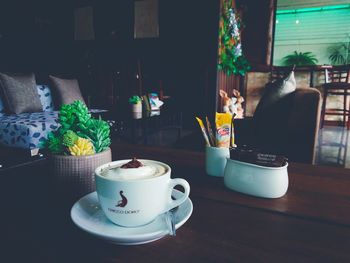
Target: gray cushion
[(65, 91), (19, 93), (274, 92)]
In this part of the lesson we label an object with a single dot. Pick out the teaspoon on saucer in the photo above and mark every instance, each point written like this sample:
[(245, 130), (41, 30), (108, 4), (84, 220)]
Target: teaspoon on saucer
[(170, 219)]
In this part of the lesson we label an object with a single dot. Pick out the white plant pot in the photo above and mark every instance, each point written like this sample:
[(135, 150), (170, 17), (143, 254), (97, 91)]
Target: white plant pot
[(74, 175), (136, 107)]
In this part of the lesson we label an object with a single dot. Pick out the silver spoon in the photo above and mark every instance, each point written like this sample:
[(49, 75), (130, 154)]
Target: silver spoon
[(170, 219)]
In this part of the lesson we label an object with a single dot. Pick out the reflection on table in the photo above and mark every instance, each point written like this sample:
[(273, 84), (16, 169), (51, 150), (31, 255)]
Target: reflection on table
[(332, 146), (137, 127)]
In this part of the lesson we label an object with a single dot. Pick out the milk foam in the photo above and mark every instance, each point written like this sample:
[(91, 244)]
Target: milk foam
[(148, 170)]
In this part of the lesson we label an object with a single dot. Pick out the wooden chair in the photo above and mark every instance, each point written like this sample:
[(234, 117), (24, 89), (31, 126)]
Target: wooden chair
[(337, 83)]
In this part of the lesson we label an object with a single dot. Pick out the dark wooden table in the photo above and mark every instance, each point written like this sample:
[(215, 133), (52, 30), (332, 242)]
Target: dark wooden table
[(135, 128), (311, 223)]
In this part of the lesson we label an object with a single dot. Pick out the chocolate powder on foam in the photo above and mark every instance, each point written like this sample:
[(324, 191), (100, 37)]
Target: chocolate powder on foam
[(134, 163)]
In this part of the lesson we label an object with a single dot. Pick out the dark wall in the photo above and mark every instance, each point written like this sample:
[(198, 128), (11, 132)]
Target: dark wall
[(257, 35), (39, 36), (44, 19), (183, 57), (189, 33), (34, 36)]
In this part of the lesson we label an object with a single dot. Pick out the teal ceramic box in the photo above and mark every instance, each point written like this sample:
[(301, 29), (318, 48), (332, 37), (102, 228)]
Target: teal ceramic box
[(256, 180)]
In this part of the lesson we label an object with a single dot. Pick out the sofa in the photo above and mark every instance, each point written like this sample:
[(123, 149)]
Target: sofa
[(285, 122), (294, 135), (28, 130)]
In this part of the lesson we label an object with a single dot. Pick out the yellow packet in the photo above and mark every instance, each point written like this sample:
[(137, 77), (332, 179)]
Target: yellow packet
[(223, 129), (203, 131)]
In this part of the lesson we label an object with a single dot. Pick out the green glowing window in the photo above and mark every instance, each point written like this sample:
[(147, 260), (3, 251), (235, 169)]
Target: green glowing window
[(320, 30)]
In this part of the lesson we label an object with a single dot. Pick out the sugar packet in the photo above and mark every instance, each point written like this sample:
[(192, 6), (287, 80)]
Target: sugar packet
[(204, 132), (223, 129)]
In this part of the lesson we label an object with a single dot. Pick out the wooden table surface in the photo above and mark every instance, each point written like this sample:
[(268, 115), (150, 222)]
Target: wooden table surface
[(311, 223)]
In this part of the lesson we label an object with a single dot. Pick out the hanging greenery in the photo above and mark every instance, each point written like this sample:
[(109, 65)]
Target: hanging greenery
[(231, 58)]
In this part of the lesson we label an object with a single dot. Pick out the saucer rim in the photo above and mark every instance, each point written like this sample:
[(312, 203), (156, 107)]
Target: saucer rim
[(132, 240)]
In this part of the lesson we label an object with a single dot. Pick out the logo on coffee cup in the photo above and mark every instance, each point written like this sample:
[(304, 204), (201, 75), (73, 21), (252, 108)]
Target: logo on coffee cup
[(123, 202)]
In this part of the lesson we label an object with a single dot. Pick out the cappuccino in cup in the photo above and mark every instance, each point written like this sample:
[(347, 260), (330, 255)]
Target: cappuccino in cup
[(134, 192), (144, 170)]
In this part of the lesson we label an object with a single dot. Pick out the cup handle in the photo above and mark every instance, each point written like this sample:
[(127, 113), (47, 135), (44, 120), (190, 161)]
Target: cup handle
[(179, 201)]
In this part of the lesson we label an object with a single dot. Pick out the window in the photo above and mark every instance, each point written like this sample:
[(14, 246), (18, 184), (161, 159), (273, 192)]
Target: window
[(322, 30)]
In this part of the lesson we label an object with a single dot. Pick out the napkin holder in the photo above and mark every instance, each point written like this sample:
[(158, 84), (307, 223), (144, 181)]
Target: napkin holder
[(256, 180)]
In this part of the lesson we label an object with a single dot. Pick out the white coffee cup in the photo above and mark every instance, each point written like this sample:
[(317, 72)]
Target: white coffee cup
[(136, 202)]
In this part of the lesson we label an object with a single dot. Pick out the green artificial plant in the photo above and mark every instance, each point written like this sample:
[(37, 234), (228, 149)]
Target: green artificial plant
[(76, 123), (97, 131), (134, 100)]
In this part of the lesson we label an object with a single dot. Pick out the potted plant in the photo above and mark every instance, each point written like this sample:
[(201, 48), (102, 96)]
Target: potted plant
[(300, 59), (136, 106), (339, 54), (78, 147), (136, 103)]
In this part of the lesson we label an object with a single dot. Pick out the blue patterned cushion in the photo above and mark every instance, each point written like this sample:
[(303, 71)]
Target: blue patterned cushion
[(45, 97), (27, 130), (1, 105)]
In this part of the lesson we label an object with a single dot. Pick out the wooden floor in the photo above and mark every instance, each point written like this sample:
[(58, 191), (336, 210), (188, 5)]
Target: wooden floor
[(333, 147)]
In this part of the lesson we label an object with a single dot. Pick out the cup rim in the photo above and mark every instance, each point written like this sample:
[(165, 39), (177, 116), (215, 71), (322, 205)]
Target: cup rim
[(215, 148), (123, 161), (258, 166)]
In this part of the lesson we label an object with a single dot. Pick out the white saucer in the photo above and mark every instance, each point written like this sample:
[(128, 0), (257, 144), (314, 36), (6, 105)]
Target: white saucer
[(88, 215)]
